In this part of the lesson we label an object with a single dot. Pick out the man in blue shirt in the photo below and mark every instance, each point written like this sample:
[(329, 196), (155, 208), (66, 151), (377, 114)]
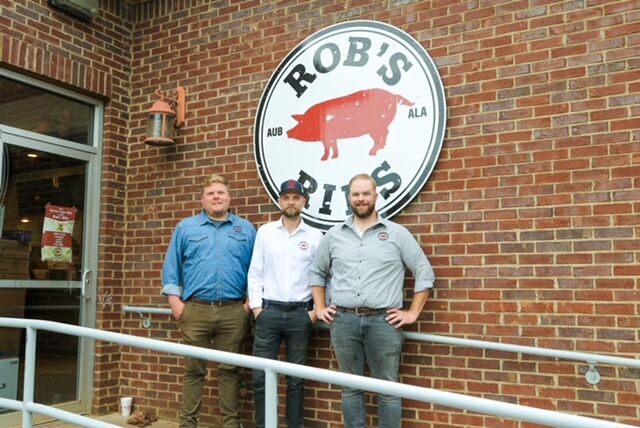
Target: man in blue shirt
[(205, 279)]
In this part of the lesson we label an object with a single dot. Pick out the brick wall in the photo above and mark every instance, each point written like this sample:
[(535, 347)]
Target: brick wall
[(531, 217)]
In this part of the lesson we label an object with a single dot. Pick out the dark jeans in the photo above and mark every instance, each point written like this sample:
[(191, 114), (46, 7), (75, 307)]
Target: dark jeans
[(273, 325), (356, 339)]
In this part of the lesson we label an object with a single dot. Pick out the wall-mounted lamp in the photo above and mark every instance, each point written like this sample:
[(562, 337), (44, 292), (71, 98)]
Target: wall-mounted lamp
[(84, 9), (164, 116)]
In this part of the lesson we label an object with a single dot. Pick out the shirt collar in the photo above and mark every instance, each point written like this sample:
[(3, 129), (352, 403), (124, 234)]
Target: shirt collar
[(301, 227), (203, 218), (382, 222)]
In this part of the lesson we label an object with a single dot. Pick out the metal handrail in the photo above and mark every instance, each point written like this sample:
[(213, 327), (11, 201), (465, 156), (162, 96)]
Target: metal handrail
[(272, 368), (142, 310), (522, 349), (592, 375)]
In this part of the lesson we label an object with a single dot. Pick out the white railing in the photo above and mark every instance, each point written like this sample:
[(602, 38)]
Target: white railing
[(592, 375), (272, 369)]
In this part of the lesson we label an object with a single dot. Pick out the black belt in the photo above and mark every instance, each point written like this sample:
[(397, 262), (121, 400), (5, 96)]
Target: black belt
[(363, 311), (216, 303), (287, 306)]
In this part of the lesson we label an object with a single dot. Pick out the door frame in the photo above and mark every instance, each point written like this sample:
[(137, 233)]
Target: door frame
[(92, 154)]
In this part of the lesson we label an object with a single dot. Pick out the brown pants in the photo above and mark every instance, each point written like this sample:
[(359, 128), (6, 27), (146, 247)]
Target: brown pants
[(222, 328)]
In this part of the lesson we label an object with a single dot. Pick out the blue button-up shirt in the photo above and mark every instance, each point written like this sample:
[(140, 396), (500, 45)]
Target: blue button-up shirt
[(209, 261)]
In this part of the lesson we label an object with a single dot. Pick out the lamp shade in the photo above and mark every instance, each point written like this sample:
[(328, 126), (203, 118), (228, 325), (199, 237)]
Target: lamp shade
[(161, 119)]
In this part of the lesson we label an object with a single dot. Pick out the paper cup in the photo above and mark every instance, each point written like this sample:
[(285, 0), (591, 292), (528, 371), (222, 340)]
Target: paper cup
[(125, 405)]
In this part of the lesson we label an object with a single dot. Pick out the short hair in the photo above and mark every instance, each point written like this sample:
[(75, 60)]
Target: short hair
[(215, 178), (363, 177)]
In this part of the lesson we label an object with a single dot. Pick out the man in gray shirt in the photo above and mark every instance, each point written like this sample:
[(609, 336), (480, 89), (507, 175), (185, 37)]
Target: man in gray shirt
[(364, 259)]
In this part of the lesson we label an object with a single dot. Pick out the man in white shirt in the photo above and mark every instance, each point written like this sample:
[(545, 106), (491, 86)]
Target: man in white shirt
[(280, 295)]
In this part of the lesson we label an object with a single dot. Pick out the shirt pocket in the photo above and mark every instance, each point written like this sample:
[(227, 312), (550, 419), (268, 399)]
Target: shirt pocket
[(196, 245), (238, 243), (384, 252), (304, 251)]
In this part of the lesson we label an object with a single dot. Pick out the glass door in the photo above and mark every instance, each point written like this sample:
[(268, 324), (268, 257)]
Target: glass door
[(49, 181)]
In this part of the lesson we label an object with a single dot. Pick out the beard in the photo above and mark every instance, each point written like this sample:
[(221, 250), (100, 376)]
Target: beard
[(363, 211), (291, 212)]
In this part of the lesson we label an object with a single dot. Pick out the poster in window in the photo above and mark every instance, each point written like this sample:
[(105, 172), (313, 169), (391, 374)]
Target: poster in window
[(57, 233)]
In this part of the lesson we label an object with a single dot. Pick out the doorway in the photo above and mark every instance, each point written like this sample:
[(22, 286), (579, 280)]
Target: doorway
[(49, 198)]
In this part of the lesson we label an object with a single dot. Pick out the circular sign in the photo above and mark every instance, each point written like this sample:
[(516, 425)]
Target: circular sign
[(356, 97)]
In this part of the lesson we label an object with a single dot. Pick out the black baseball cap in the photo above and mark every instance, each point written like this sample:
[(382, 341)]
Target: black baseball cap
[(292, 186)]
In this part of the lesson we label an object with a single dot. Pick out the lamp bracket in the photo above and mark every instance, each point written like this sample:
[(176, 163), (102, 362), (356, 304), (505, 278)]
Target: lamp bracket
[(177, 99)]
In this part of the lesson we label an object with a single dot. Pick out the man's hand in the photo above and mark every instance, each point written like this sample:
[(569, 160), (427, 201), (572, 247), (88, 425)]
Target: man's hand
[(247, 306), (397, 317), (177, 306), (312, 316), (326, 314), (256, 312)]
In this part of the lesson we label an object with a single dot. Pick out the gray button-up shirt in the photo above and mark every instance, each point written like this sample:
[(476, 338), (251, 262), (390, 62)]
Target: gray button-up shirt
[(369, 270)]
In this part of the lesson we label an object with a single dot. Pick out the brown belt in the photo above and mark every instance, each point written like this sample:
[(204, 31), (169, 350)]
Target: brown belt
[(216, 303), (363, 311)]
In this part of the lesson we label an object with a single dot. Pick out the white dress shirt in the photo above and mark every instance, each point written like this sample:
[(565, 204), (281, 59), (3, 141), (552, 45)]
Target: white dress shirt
[(281, 263)]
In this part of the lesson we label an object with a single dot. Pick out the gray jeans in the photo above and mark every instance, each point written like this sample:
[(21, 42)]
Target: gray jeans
[(356, 339)]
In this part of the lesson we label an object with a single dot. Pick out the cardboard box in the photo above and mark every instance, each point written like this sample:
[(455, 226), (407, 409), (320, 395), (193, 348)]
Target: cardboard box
[(13, 301), (9, 378), (14, 259)]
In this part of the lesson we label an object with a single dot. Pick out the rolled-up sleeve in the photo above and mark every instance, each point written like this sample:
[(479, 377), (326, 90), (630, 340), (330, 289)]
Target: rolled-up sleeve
[(321, 264), (414, 258), (172, 268)]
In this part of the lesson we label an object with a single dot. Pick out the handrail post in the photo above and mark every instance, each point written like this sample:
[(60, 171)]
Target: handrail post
[(29, 376), (270, 398)]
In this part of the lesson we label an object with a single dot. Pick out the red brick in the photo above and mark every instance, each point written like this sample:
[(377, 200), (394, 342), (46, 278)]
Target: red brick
[(621, 30)]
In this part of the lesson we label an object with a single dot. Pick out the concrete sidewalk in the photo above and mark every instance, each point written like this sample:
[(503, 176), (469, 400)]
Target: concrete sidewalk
[(115, 419)]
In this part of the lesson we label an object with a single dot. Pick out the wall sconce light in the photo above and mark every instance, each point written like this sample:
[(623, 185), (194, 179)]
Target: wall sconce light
[(164, 116)]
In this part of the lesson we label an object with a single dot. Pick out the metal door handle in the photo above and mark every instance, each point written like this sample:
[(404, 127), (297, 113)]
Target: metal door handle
[(86, 279)]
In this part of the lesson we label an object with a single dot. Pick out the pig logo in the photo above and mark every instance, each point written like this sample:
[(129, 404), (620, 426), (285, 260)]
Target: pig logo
[(368, 112), (354, 97)]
